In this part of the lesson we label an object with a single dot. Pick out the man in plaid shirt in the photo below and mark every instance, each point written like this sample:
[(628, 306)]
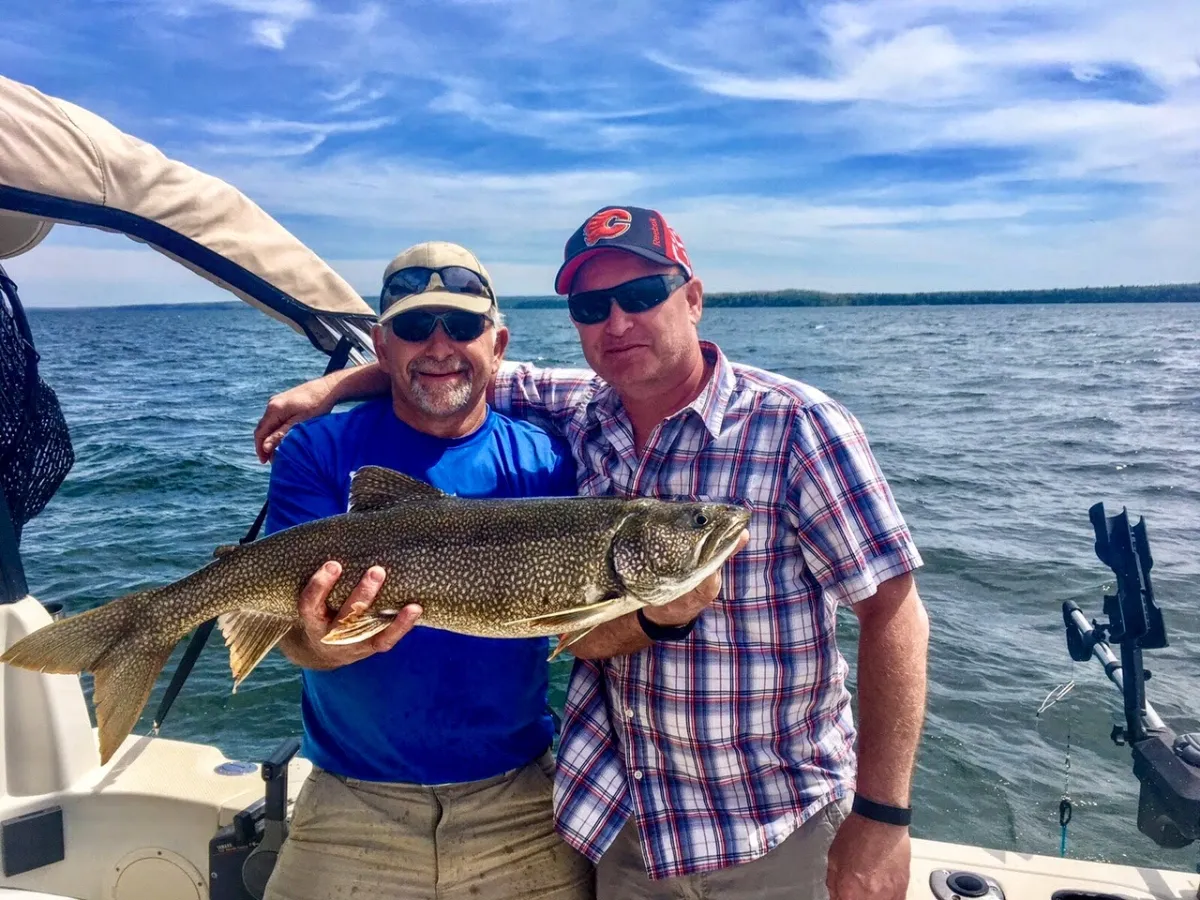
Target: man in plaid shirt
[(707, 746)]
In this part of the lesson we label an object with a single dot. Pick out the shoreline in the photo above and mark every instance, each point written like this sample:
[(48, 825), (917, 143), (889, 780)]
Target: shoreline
[(1164, 293), (795, 297)]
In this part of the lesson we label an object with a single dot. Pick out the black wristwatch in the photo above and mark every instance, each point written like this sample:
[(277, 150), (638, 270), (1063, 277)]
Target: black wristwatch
[(658, 632), (880, 812)]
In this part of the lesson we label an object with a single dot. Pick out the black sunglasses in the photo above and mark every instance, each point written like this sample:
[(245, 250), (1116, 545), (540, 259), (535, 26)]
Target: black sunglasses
[(417, 325), (639, 295), (415, 279)]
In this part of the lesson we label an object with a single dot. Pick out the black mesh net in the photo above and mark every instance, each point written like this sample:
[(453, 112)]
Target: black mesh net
[(35, 446)]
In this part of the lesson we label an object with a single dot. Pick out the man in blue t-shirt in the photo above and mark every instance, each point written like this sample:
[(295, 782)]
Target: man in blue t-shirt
[(432, 771)]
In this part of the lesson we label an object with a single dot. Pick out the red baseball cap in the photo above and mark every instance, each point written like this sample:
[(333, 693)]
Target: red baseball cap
[(630, 228)]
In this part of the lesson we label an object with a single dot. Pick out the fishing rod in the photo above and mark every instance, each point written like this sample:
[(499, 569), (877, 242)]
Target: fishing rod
[(1166, 764)]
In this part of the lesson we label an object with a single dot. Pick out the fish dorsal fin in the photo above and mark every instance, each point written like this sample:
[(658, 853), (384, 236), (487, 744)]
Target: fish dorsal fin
[(374, 487), (225, 550)]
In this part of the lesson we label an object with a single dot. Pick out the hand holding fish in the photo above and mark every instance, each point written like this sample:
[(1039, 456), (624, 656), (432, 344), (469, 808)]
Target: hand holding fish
[(625, 635), (683, 609), (303, 646)]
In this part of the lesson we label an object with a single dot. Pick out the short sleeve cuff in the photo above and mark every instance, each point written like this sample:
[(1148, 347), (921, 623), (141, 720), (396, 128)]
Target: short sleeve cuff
[(860, 585)]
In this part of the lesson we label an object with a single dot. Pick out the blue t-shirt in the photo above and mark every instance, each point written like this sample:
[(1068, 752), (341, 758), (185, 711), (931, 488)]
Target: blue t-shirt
[(438, 707)]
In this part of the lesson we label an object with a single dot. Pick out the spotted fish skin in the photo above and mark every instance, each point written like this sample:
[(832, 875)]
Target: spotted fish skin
[(514, 568), (473, 565)]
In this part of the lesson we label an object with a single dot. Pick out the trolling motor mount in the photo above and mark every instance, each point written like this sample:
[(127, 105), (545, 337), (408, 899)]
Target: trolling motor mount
[(1167, 765)]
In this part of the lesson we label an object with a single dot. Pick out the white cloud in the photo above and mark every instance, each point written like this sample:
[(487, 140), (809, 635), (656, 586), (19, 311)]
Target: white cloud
[(402, 195), (895, 51), (918, 66), (270, 33), (353, 104), (337, 95), (271, 22), (740, 243), (257, 137), (897, 76), (286, 126), (274, 20), (565, 127)]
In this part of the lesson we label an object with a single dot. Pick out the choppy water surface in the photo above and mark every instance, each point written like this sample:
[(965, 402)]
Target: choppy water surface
[(998, 427)]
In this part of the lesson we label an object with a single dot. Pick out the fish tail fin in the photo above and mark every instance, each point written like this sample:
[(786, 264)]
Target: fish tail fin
[(112, 642)]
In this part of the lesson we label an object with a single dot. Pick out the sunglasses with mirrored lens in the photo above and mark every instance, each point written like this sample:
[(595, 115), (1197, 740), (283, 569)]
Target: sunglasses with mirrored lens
[(417, 325), (415, 280), (639, 295)]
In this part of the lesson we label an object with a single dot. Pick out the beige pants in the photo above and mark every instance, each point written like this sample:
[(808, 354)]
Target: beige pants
[(483, 840), (794, 870)]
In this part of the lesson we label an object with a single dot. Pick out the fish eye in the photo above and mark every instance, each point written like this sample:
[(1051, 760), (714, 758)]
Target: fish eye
[(700, 520)]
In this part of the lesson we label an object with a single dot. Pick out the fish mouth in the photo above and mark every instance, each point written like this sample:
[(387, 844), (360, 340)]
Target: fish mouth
[(718, 542)]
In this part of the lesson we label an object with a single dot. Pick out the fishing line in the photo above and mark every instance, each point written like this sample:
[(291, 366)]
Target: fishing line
[(1065, 809)]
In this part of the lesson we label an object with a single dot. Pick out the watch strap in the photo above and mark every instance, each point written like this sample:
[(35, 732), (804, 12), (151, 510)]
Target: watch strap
[(657, 632), (881, 812)]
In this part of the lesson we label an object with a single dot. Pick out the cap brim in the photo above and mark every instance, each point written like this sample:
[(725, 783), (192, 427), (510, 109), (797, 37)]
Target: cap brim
[(566, 274), (438, 298)]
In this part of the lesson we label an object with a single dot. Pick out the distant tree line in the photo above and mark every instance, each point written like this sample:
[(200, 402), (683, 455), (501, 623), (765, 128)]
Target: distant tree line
[(1157, 293)]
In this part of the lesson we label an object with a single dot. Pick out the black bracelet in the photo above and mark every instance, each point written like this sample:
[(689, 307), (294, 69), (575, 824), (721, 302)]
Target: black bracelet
[(658, 632), (890, 815)]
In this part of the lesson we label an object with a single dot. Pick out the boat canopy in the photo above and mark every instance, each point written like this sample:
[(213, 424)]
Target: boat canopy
[(60, 163)]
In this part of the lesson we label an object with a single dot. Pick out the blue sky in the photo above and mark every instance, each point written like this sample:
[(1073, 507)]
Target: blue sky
[(876, 145)]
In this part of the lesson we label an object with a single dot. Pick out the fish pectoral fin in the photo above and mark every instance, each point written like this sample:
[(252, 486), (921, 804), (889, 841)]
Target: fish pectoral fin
[(566, 617), (570, 638), (358, 626), (250, 634), (374, 487)]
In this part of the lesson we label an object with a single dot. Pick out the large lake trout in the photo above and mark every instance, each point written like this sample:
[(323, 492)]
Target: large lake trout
[(494, 568)]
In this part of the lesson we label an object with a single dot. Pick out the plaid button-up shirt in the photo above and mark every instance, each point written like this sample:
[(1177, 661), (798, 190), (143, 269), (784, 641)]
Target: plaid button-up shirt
[(722, 744)]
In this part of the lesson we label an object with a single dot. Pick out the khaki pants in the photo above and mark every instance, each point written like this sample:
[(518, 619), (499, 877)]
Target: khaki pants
[(794, 870), (483, 840)]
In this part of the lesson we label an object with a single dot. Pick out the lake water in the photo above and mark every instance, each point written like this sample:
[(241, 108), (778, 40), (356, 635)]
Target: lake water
[(997, 427)]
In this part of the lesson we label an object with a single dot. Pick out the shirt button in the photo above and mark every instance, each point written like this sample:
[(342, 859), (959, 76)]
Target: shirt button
[(629, 712), (637, 775)]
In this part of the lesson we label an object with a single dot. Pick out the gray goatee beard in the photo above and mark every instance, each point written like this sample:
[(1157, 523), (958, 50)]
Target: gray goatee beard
[(445, 399)]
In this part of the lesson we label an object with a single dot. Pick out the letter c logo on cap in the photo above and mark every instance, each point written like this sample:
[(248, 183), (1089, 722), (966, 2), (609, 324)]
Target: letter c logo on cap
[(606, 225)]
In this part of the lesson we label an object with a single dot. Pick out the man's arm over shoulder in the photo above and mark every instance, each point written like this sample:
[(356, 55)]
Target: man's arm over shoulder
[(548, 397), (314, 398), (521, 390)]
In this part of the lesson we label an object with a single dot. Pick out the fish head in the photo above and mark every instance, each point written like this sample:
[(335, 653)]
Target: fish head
[(664, 548)]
